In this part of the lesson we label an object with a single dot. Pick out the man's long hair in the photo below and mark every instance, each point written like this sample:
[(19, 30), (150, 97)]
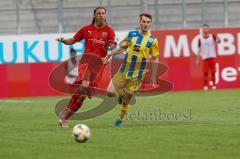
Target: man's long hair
[(94, 11)]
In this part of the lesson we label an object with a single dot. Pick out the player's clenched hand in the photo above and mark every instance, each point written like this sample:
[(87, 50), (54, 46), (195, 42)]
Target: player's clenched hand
[(106, 59), (61, 39)]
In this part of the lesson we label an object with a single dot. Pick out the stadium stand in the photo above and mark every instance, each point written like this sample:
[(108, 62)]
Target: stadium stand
[(41, 16)]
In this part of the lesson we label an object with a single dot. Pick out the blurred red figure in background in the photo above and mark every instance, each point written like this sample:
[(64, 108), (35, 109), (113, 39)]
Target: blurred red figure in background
[(207, 51)]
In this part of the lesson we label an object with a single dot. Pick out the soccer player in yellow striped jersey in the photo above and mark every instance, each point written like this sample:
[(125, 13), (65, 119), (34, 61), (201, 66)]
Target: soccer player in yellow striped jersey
[(140, 47)]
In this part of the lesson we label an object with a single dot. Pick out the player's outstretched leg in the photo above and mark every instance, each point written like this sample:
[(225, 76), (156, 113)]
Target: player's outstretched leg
[(213, 70), (205, 80), (124, 109), (213, 81), (122, 114), (74, 104)]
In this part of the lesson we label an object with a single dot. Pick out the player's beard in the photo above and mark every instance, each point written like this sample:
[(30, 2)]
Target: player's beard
[(100, 22)]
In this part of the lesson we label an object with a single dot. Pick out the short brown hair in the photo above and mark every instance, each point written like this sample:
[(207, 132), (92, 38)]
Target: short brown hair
[(145, 15), (205, 25)]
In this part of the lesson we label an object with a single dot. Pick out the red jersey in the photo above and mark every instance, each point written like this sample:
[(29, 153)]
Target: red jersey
[(95, 38)]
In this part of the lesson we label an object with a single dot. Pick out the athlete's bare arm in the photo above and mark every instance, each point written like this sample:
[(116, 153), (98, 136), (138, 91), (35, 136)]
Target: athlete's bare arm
[(154, 70), (122, 47), (68, 41)]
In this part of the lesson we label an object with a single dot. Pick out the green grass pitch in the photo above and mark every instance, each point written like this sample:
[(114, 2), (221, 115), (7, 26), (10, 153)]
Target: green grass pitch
[(208, 127)]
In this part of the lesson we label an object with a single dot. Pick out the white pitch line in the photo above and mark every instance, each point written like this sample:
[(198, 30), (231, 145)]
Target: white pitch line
[(16, 101)]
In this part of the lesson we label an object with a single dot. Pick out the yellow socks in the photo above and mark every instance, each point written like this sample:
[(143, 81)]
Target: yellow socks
[(124, 110)]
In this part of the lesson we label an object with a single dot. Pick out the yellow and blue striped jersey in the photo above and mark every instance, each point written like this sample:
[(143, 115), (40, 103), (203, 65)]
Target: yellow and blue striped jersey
[(138, 52)]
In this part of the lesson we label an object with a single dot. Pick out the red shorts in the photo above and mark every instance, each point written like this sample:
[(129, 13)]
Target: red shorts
[(209, 64), (90, 68)]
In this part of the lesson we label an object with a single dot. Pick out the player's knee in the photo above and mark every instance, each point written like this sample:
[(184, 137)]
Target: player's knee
[(85, 91), (127, 98), (81, 99)]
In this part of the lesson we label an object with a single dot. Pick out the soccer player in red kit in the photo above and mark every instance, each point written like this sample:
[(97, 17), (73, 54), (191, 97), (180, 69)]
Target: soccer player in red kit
[(207, 51), (96, 35)]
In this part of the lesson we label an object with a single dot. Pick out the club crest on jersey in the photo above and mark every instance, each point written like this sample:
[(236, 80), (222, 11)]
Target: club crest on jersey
[(104, 34), (151, 40)]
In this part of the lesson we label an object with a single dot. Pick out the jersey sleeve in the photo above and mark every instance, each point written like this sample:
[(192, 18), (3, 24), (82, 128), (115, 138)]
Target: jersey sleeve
[(129, 36), (154, 48), (79, 35), (123, 42), (126, 39)]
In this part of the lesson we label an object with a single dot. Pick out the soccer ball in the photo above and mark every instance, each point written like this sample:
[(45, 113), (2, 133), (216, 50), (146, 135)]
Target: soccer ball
[(81, 133)]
